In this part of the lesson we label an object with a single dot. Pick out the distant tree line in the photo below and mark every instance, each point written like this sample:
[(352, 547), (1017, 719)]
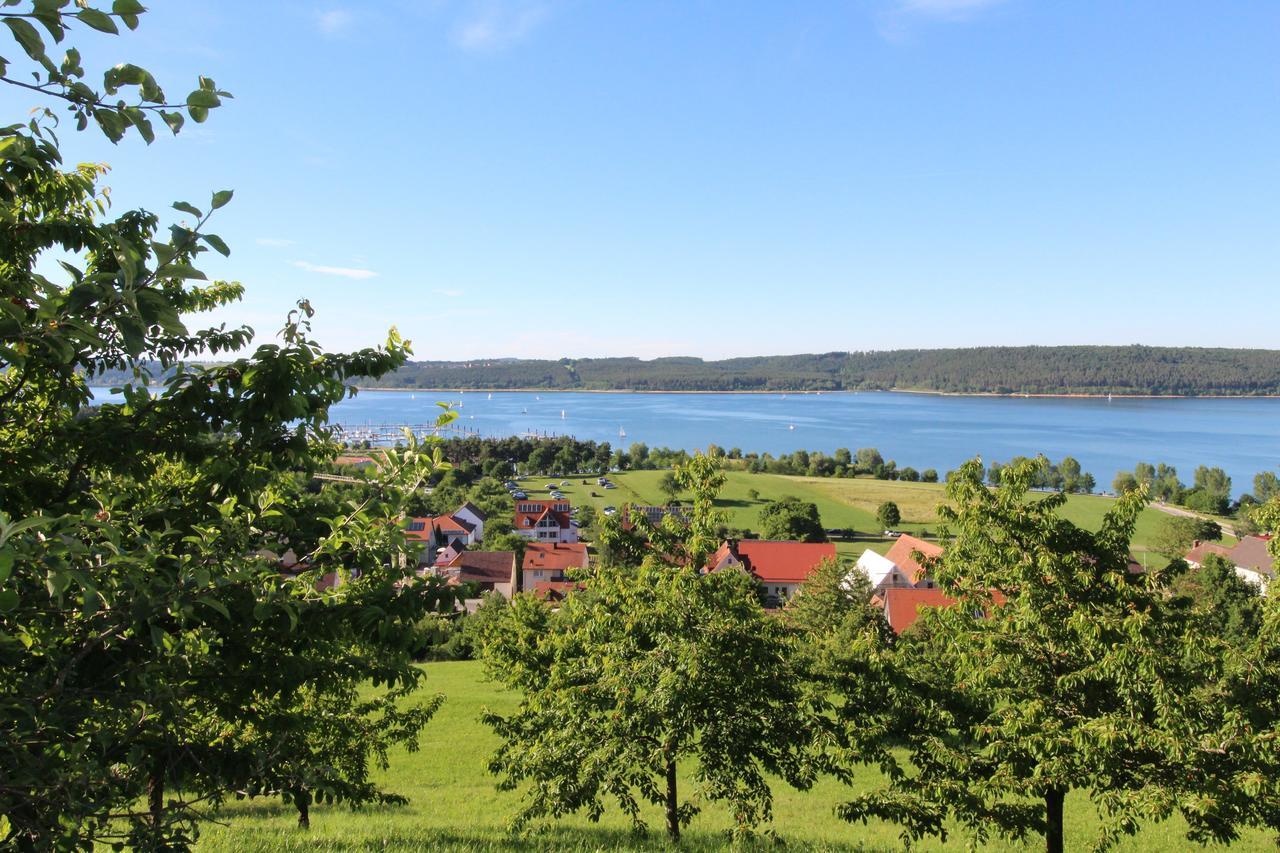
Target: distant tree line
[(1139, 370), (1210, 489)]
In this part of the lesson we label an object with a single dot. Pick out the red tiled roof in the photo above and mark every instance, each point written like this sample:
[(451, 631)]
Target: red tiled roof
[(555, 590), (528, 519), (900, 555), (902, 604), (556, 556), (1204, 549), (773, 561)]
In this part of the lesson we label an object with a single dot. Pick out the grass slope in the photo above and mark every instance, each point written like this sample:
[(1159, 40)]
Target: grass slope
[(454, 805), (842, 503)]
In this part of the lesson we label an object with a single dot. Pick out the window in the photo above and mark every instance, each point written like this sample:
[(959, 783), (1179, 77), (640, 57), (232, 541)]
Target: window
[(417, 525)]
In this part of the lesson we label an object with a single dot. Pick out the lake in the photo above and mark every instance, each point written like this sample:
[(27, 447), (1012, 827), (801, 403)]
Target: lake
[(923, 431)]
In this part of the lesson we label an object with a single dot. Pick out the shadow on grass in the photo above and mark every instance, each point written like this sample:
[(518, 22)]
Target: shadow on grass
[(545, 838)]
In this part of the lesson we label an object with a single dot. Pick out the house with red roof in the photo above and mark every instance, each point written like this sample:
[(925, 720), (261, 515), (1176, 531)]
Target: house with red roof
[(780, 567), (903, 605), (489, 571), (899, 568), (437, 536), (1253, 560), (549, 561), (1200, 550), (545, 521)]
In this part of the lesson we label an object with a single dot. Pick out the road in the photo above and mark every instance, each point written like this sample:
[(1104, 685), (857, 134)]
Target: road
[(1186, 513)]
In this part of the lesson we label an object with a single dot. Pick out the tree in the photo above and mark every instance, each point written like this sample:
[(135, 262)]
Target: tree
[(1124, 483), (1232, 604), (888, 516), (669, 486), (753, 495), (791, 518), (868, 460), (1176, 535), (649, 669), (153, 657), (1266, 485), (930, 475), (1078, 677)]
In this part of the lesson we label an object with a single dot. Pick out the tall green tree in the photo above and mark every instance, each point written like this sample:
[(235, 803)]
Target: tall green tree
[(888, 515), (153, 657), (648, 672), (1077, 679), (791, 518)]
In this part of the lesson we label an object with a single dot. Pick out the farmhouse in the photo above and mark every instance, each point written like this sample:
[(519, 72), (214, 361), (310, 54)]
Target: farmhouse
[(545, 521), (1200, 550), (548, 562), (780, 567), (899, 569)]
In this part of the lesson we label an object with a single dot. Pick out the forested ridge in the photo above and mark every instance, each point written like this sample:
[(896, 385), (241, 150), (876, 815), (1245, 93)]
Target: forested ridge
[(1000, 370)]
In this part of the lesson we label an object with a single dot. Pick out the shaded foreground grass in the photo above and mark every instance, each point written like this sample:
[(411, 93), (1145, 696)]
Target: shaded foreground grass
[(454, 805)]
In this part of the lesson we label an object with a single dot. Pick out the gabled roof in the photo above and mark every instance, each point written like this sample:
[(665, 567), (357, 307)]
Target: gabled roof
[(876, 567), (1201, 550), (483, 566), (1251, 553), (556, 556), (474, 510), (902, 605), (900, 554), (450, 524), (526, 519), (774, 561)]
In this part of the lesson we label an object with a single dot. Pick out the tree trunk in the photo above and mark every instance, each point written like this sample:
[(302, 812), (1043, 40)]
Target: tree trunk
[(1053, 819), (673, 814), (155, 794), (302, 799)]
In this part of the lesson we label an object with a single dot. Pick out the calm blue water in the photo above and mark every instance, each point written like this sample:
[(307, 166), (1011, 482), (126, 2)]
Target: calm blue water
[(921, 430)]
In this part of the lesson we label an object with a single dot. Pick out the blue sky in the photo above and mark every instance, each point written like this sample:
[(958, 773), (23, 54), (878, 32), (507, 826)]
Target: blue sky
[(548, 178)]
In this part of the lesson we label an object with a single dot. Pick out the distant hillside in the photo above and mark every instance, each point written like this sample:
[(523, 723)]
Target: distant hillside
[(1000, 370)]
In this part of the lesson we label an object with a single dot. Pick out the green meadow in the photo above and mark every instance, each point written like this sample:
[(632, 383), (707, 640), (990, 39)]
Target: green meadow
[(842, 503), (454, 805)]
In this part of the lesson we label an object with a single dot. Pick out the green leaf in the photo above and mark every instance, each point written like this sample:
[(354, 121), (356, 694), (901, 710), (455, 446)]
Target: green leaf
[(217, 244), (184, 271), (203, 98), (221, 197), (127, 7), (100, 21), (188, 208), (8, 599), (198, 114), (174, 120), (6, 563), (27, 36)]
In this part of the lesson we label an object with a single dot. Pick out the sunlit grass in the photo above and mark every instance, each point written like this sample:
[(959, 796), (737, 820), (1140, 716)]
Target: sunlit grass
[(455, 806)]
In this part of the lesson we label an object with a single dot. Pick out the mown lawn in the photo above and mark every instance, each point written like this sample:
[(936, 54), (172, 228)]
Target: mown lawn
[(454, 805)]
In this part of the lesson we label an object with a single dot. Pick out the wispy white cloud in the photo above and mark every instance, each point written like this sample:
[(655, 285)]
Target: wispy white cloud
[(334, 21), (494, 24), (274, 242), (344, 272), (448, 291), (952, 9)]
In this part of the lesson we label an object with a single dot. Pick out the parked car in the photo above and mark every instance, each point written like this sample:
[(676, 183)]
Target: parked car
[(610, 486), (600, 481), (611, 510), (519, 496), (892, 534)]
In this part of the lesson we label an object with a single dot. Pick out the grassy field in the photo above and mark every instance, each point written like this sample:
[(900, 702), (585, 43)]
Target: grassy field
[(454, 805), (842, 503)]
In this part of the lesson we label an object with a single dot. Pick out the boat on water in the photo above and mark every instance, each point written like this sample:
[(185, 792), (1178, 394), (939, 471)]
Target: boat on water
[(490, 396), (791, 426), (562, 414), (622, 433)]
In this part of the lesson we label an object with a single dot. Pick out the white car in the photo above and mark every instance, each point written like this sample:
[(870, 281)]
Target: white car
[(610, 510)]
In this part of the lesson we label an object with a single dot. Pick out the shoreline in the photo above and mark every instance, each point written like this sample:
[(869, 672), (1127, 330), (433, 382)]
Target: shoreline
[(996, 394)]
